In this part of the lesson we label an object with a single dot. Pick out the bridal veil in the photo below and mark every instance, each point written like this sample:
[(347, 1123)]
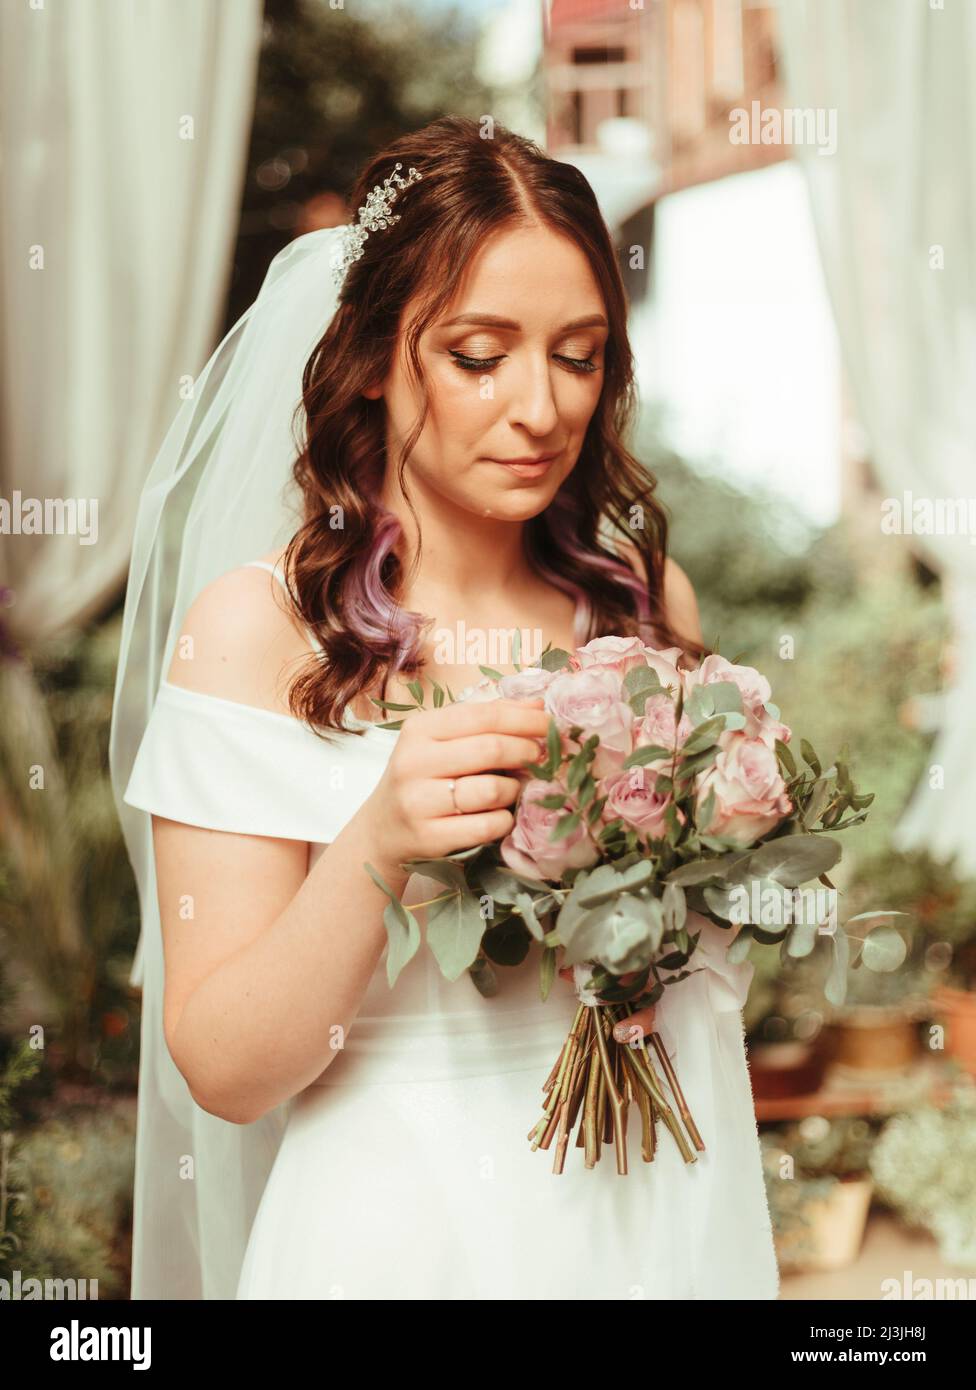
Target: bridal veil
[(219, 493)]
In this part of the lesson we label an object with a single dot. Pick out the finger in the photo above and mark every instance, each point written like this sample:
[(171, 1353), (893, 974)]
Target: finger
[(465, 831), (458, 757), (485, 792), (635, 1026), (527, 718)]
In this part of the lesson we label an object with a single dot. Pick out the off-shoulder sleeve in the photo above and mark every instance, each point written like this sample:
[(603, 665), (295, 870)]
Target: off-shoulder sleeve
[(215, 763)]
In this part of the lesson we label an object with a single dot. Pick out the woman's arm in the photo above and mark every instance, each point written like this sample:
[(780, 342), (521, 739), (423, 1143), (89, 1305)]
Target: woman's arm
[(266, 976), (266, 967)]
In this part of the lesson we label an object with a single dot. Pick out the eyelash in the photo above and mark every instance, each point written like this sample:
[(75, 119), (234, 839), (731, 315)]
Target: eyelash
[(482, 364)]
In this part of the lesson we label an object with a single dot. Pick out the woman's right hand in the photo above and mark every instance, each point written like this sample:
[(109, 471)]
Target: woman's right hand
[(412, 810)]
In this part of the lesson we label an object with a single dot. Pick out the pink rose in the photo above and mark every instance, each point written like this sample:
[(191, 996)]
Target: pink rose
[(528, 850), (525, 684), (631, 796), (764, 726), (592, 700), (658, 727), (750, 794), (665, 662), (482, 693), (617, 654), (753, 685)]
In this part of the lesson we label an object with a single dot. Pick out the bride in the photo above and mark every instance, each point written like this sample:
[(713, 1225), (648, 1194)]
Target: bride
[(461, 362)]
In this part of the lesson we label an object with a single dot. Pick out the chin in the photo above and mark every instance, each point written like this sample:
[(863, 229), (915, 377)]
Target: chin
[(518, 503)]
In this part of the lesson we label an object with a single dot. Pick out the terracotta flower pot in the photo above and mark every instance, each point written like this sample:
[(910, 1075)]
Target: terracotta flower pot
[(781, 1070), (833, 1238), (873, 1037), (958, 1008)]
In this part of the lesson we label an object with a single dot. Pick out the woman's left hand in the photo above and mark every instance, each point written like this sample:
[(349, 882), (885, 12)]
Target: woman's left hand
[(624, 1031)]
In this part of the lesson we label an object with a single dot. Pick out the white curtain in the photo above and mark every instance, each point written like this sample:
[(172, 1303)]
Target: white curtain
[(124, 127), (895, 213)]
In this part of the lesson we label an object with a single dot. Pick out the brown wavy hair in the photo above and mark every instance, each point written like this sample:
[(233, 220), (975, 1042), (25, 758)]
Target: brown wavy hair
[(346, 583)]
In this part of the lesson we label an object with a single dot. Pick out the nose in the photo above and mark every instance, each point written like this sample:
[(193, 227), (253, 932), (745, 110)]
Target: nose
[(533, 403)]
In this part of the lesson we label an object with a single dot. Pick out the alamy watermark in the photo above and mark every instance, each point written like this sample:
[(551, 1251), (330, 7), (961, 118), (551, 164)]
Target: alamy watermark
[(27, 1289), (50, 516), (767, 125), (909, 515)]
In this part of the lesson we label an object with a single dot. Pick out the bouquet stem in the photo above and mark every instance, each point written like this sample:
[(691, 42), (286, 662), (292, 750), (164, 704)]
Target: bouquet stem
[(605, 1076)]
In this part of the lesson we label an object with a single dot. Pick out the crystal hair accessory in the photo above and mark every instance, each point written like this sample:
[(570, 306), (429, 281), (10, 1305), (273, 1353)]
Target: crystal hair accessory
[(374, 214)]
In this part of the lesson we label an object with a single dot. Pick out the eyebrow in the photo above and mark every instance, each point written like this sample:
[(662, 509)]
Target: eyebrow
[(496, 321)]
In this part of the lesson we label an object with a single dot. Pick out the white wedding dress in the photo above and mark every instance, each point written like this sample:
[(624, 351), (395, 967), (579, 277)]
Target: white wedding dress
[(405, 1171)]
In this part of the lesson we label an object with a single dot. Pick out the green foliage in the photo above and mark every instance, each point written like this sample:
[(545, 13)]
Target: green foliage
[(68, 904), (925, 1166), (334, 87), (73, 1176), (802, 1164)]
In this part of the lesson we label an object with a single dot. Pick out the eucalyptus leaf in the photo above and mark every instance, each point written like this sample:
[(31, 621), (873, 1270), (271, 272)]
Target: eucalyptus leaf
[(785, 756), (622, 935), (455, 927), (674, 907), (445, 871), (726, 696), (818, 800), (526, 910), (403, 936), (703, 736), (554, 660), (794, 859), (507, 943), (801, 939), (884, 950), (565, 826), (504, 884), (635, 876), (547, 972), (836, 985), (648, 753), (739, 950)]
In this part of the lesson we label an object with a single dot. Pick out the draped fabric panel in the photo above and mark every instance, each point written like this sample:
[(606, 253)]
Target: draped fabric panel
[(895, 214), (124, 128)]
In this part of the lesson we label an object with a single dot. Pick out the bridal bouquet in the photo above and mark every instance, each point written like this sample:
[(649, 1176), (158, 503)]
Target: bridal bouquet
[(664, 793)]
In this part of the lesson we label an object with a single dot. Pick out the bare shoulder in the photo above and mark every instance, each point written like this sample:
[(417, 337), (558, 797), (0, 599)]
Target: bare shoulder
[(680, 600), (240, 641)]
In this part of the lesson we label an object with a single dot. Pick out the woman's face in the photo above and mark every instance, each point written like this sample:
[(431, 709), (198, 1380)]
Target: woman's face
[(514, 368)]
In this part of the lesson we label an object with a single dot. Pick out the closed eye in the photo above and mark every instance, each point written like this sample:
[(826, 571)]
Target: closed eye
[(487, 364)]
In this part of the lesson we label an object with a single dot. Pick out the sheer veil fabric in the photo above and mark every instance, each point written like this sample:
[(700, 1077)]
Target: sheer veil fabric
[(218, 495)]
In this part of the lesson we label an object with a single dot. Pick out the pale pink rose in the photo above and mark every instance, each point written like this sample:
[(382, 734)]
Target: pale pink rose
[(618, 654), (753, 685), (631, 796), (526, 684), (485, 691), (658, 726), (664, 661), (764, 726), (592, 700), (528, 850), (750, 794)]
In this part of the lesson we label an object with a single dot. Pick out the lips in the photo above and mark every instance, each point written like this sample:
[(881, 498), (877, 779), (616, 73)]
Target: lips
[(528, 467)]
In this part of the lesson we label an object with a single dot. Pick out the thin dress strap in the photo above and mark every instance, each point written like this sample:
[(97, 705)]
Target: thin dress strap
[(274, 570)]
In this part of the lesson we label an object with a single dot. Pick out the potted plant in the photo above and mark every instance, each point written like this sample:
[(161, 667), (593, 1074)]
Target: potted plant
[(924, 1165), (819, 1189), (954, 1005), (876, 1029), (943, 907)]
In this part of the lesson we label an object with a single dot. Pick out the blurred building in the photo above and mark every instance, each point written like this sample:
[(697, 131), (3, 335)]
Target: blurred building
[(679, 67), (643, 99)]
